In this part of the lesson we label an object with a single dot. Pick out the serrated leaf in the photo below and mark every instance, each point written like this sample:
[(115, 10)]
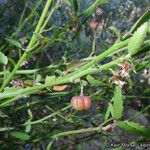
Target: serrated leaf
[(75, 5), (10, 92), (137, 39), (20, 135), (3, 59), (67, 2), (148, 30), (49, 79), (93, 81), (107, 114), (111, 107), (14, 42), (118, 102), (134, 128)]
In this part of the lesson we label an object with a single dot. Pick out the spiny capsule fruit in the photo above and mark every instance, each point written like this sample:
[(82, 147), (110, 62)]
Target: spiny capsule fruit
[(81, 103)]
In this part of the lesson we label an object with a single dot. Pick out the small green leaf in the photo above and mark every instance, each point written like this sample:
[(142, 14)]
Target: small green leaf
[(84, 83), (111, 107), (148, 30), (137, 39), (38, 78), (75, 5), (49, 79), (49, 146), (3, 59), (107, 114), (93, 81), (59, 72), (134, 128), (118, 102), (14, 42), (28, 128), (146, 91), (10, 92), (20, 135)]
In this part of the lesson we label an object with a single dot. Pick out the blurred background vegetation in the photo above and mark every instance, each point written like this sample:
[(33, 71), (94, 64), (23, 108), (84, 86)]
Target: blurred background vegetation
[(121, 14)]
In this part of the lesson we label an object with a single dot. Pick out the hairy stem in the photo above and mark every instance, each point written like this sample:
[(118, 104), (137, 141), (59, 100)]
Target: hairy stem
[(62, 80), (76, 132), (112, 49)]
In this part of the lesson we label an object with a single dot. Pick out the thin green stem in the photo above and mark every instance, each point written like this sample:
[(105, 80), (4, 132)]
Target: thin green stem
[(31, 44), (23, 13), (114, 48), (14, 71), (49, 16), (89, 10), (27, 19), (45, 69), (6, 129), (62, 80), (93, 44), (139, 113), (45, 118), (58, 114), (33, 39), (76, 132)]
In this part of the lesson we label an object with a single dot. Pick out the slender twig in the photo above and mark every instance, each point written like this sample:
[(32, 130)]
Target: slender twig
[(99, 128), (31, 44), (6, 129), (49, 16), (76, 132), (27, 19), (62, 80), (45, 118), (112, 49), (58, 114), (93, 44)]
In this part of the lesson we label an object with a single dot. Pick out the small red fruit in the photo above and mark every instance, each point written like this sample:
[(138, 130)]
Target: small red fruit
[(81, 103), (94, 24)]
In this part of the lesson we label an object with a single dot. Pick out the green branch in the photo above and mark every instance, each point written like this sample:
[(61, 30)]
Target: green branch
[(61, 80), (112, 49), (31, 44), (45, 118), (76, 132)]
